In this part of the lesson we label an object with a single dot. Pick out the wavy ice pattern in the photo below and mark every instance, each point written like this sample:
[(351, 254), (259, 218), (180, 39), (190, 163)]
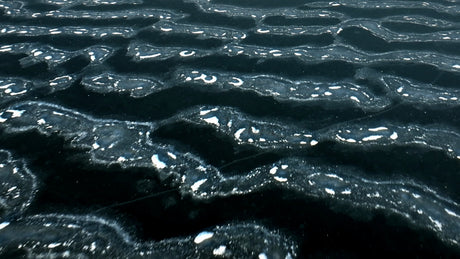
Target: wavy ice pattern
[(232, 129), (60, 235), (18, 187)]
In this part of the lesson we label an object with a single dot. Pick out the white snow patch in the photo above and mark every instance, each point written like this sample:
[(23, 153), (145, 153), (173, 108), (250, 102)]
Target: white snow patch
[(16, 113), (238, 82), (213, 120), (394, 136), (238, 133), (203, 236), (197, 184), (54, 245), (378, 129), (263, 256), (219, 251), (157, 162), (451, 213), (280, 179), (4, 225), (372, 137), (346, 191), (330, 191), (354, 98)]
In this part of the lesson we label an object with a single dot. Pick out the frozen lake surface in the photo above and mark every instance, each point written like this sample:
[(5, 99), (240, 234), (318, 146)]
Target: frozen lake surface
[(229, 128)]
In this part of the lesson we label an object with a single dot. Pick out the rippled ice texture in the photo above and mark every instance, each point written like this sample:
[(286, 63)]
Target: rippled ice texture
[(229, 128)]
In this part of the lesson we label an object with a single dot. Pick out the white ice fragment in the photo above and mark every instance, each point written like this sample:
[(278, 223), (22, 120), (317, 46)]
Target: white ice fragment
[(197, 184), (150, 56), (238, 133), (219, 251), (6, 86), (203, 236), (17, 93), (238, 82), (284, 167), (73, 226), (204, 77), (437, 224), (373, 195), (16, 113), (354, 98), (346, 192), (213, 120), (263, 31), (93, 247), (263, 256), (330, 191), (95, 145), (273, 170), (327, 93), (204, 112), (334, 176), (456, 66), (280, 179), (378, 129), (171, 155), (372, 137), (313, 142), (41, 121), (157, 162), (121, 159), (54, 245), (451, 213), (4, 224), (187, 53), (394, 136)]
